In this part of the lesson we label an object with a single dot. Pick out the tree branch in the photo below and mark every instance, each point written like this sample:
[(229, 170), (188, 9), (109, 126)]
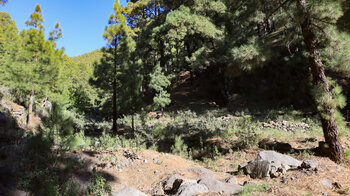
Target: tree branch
[(275, 10)]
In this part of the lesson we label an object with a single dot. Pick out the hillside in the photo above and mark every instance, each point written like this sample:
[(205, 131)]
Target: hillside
[(88, 58)]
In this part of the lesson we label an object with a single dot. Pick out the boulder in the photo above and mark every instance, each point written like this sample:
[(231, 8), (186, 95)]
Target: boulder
[(230, 180), (218, 186), (326, 183), (129, 192), (172, 182), (258, 169), (190, 189), (275, 157), (200, 171), (309, 164), (157, 190)]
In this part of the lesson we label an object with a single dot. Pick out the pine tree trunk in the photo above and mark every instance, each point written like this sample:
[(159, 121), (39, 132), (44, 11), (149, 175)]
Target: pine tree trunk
[(115, 113), (132, 123), (329, 125), (30, 109)]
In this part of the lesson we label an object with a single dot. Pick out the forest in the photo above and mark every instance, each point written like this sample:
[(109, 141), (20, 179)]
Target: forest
[(187, 97)]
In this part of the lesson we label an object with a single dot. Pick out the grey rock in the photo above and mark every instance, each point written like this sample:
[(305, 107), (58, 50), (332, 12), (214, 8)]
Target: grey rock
[(307, 164), (218, 186), (258, 169), (230, 180), (245, 183), (128, 163), (130, 155), (108, 165), (158, 162), (242, 166), (326, 183), (284, 180), (272, 156), (127, 191), (157, 190), (190, 189), (311, 139), (200, 171), (169, 182), (275, 175)]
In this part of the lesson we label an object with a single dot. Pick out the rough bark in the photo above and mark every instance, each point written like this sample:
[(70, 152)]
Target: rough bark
[(329, 125), (115, 113), (132, 123), (30, 109)]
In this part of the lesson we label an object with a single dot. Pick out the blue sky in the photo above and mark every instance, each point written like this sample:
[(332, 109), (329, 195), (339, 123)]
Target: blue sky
[(82, 21)]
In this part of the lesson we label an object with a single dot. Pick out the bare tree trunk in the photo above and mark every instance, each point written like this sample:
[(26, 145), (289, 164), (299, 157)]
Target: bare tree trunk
[(329, 125), (115, 114), (133, 123), (30, 109)]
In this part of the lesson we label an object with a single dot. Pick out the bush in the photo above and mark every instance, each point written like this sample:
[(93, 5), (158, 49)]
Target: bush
[(179, 147), (76, 141), (98, 185), (247, 135), (253, 188)]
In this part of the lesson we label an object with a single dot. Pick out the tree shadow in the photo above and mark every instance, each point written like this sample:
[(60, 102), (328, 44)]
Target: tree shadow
[(32, 162)]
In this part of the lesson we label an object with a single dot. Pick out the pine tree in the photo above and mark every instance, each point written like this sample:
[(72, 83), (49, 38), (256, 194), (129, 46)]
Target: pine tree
[(323, 96), (130, 95), (115, 34), (306, 24), (159, 82), (9, 42), (37, 66)]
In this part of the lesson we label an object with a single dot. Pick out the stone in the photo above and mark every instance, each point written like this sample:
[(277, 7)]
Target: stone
[(190, 189), (272, 156), (242, 166), (108, 165), (326, 183), (230, 180), (158, 162), (169, 182), (311, 139), (129, 192), (337, 185), (200, 171), (258, 169), (145, 161), (247, 183), (284, 180), (275, 175), (309, 164), (157, 190), (128, 163), (218, 186)]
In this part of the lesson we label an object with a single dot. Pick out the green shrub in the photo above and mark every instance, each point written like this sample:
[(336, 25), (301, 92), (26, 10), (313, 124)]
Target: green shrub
[(179, 147), (76, 141), (253, 188), (98, 185), (247, 135)]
